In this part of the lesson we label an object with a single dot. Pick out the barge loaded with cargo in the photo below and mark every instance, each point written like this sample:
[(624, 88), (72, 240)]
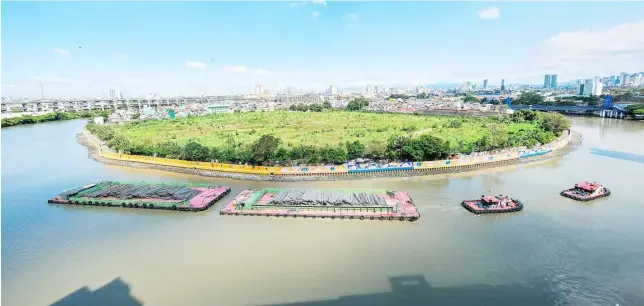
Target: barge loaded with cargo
[(331, 204), (184, 197)]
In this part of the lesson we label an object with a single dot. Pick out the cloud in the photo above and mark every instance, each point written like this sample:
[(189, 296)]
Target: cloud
[(262, 72), (316, 14), (321, 2), (121, 55), (62, 52), (52, 79), (236, 69), (350, 19), (293, 4), (490, 13), (195, 65), (9, 85)]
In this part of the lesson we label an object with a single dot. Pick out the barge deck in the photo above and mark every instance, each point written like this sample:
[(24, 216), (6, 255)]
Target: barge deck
[(182, 197), (376, 205)]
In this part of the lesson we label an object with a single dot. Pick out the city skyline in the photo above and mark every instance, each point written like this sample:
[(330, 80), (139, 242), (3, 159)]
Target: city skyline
[(80, 50)]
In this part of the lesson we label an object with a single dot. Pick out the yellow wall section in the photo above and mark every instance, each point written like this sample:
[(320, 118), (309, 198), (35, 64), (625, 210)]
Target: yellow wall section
[(340, 169)]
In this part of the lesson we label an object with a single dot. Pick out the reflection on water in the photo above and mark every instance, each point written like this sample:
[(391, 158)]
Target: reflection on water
[(556, 251), (619, 155), (116, 292), (414, 290)]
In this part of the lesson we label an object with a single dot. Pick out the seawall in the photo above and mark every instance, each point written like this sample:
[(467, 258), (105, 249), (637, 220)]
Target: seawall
[(563, 145)]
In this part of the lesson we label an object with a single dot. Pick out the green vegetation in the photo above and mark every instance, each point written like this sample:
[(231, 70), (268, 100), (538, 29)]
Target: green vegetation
[(635, 109), (529, 98), (470, 99), (284, 137), (58, 116), (357, 104), (311, 107)]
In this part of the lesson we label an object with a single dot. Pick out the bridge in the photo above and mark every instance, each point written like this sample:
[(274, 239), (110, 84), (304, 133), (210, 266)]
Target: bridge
[(607, 109)]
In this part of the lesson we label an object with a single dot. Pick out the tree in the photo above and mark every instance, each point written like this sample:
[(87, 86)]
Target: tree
[(495, 102), (524, 115), (327, 105), (554, 122), (263, 149), (316, 107), (119, 143), (357, 104), (195, 151), (470, 99), (168, 149), (530, 98), (354, 149)]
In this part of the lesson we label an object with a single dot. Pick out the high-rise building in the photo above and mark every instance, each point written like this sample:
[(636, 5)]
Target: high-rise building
[(502, 84), (333, 90), (112, 93), (553, 81), (546, 81), (258, 90), (485, 84), (623, 78), (291, 90), (370, 89), (587, 89), (597, 89), (613, 80)]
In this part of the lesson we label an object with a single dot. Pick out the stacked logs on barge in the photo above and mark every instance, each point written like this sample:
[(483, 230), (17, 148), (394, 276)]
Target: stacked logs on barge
[(586, 191), (183, 197), (492, 204), (330, 204)]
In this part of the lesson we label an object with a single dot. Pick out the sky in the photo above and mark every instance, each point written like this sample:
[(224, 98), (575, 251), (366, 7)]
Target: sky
[(84, 49)]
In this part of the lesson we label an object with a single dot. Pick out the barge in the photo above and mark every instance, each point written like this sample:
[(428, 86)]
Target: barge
[(183, 197), (492, 204), (330, 204), (586, 191)]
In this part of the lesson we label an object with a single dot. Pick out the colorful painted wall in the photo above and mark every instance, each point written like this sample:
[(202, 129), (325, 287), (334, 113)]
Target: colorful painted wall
[(478, 158)]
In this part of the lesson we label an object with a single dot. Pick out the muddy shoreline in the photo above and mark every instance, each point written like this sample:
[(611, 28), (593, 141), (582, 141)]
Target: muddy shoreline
[(573, 144)]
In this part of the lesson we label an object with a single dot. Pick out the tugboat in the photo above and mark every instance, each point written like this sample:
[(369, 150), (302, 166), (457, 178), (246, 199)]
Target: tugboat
[(586, 191), (492, 204)]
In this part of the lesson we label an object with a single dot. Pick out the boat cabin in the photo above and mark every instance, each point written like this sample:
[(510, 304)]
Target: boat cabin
[(496, 200), (588, 186)]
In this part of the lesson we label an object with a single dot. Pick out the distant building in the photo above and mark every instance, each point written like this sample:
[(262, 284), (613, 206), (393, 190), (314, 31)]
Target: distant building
[(218, 109), (553, 81), (613, 80), (291, 90), (502, 84), (587, 89), (370, 89), (546, 81), (258, 90), (485, 84), (333, 90), (597, 88), (623, 77)]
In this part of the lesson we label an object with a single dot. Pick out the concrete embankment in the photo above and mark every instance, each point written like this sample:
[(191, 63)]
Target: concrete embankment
[(566, 144)]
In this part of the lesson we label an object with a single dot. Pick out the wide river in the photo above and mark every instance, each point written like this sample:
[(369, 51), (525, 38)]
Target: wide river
[(554, 252)]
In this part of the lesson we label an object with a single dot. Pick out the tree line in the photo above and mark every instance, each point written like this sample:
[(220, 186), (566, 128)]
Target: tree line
[(271, 150), (57, 116)]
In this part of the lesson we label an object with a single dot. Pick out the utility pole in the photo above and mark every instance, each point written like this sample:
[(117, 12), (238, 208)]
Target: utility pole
[(42, 93)]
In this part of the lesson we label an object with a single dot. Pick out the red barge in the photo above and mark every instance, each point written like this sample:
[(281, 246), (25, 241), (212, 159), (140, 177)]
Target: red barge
[(586, 191), (492, 204)]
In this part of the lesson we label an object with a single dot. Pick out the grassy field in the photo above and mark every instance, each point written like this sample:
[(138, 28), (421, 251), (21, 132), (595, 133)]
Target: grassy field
[(316, 129)]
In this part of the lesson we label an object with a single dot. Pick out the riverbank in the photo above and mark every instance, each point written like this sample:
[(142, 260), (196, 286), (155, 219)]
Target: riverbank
[(34, 118), (562, 146)]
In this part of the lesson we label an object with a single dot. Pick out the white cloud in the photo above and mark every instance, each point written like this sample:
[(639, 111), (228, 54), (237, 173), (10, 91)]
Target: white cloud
[(121, 55), (316, 14), (62, 52), (351, 19), (293, 4), (321, 2), (195, 65), (490, 13), (52, 79), (262, 72), (588, 52), (236, 69)]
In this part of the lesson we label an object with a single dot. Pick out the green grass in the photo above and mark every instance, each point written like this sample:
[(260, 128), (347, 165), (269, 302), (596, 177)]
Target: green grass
[(308, 128)]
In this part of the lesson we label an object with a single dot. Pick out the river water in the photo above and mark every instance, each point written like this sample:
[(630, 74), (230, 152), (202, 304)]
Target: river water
[(554, 252)]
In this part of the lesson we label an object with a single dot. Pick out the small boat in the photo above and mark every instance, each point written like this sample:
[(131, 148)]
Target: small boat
[(492, 204), (586, 191)]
